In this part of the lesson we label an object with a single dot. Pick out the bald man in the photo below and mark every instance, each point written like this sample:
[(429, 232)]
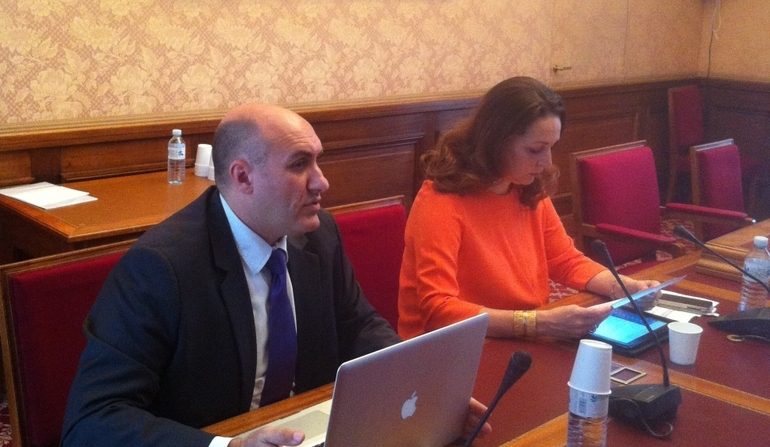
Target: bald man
[(176, 339)]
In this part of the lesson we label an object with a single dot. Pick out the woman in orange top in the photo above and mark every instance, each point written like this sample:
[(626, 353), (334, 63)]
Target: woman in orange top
[(483, 235)]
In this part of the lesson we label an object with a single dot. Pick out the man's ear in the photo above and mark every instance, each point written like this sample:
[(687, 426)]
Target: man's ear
[(240, 176)]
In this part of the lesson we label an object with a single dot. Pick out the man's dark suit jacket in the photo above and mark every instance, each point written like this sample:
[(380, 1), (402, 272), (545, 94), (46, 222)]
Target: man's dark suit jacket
[(171, 340)]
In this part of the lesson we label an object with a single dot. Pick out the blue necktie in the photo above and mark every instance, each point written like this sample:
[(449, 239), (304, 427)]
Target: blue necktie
[(281, 335)]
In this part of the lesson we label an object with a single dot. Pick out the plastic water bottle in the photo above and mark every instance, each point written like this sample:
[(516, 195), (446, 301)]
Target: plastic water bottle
[(587, 425), (757, 262), (176, 158), (589, 395)]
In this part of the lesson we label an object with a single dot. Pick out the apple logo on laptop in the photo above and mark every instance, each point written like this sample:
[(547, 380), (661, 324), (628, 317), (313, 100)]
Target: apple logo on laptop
[(409, 406)]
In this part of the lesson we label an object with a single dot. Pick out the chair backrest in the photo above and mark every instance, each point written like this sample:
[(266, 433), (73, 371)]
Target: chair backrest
[(685, 116), (373, 237), (617, 185), (716, 180), (44, 305), (716, 175)]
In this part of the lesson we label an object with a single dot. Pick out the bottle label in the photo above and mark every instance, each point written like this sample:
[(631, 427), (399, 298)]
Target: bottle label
[(758, 267), (176, 151), (588, 405)]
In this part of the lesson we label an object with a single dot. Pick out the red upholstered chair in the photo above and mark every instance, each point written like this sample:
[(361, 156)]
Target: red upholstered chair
[(616, 198), (373, 237), (44, 304), (716, 183), (685, 129)]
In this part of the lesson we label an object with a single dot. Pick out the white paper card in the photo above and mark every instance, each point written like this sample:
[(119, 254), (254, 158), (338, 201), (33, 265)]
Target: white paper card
[(47, 195)]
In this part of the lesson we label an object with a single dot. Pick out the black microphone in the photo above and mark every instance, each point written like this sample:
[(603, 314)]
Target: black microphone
[(683, 233), (600, 249), (517, 366), (748, 323), (646, 403)]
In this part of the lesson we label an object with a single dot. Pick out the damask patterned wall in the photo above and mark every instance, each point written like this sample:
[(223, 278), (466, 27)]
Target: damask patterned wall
[(741, 43), (70, 59)]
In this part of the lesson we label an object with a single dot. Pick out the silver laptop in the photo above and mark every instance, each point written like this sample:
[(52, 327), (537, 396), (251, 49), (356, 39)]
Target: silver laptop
[(415, 393)]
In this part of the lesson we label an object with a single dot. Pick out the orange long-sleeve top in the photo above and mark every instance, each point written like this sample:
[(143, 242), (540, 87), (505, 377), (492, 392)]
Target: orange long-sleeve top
[(465, 252)]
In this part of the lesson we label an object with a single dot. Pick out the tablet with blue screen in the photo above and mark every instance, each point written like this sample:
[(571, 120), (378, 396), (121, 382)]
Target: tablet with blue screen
[(626, 332)]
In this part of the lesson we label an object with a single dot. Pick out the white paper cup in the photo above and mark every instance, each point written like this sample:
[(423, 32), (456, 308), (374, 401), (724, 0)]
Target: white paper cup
[(211, 168), (202, 160), (201, 170), (683, 340), (591, 371)]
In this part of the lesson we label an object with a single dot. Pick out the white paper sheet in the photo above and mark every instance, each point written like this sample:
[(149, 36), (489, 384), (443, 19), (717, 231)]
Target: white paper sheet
[(47, 195)]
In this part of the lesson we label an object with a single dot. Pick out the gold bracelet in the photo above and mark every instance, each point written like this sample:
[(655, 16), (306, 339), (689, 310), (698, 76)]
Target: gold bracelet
[(531, 322), (517, 324), (524, 323)]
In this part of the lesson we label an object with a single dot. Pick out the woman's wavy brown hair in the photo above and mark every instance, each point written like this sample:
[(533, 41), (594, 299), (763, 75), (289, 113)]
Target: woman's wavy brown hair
[(469, 157)]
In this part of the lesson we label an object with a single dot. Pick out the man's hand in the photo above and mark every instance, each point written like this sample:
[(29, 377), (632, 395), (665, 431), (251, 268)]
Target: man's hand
[(270, 437), (273, 437)]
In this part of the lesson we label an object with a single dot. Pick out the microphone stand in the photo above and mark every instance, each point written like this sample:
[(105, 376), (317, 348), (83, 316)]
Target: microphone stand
[(683, 233), (517, 366), (646, 403), (753, 323), (600, 248)]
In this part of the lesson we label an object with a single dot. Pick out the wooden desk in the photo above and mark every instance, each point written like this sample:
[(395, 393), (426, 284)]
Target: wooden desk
[(126, 207), (733, 246), (726, 394)]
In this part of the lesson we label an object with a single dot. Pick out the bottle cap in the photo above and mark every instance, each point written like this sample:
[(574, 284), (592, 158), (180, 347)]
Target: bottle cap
[(176, 132), (760, 241)]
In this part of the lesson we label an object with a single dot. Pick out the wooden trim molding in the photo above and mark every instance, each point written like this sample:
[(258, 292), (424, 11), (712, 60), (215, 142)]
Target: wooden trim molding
[(382, 137)]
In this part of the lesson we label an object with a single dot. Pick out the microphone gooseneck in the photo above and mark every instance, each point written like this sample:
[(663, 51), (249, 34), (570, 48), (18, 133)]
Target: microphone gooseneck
[(517, 366), (644, 405), (600, 249), (684, 233)]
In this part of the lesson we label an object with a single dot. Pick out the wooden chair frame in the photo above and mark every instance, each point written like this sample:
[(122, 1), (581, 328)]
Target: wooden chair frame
[(674, 153), (695, 166), (695, 182), (367, 204)]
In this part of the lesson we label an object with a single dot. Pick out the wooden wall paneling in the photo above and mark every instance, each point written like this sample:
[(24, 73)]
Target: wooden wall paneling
[(88, 161), (446, 120), (740, 111), (751, 131), (597, 130), (438, 124), (369, 142), (37, 243), (108, 159), (653, 128), (379, 165), (369, 174), (370, 157), (15, 168), (363, 128)]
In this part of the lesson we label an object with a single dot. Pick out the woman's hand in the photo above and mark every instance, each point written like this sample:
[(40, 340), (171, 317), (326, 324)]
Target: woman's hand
[(635, 285), (571, 321), (604, 283)]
